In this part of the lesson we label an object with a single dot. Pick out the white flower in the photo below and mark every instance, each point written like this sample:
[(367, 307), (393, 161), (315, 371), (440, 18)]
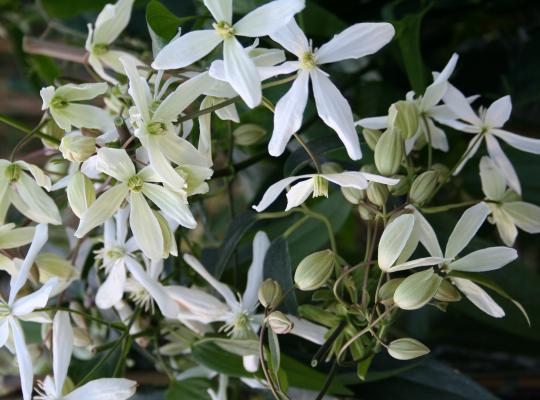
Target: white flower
[(153, 120), (15, 310), (237, 313), (136, 187), (12, 237), (357, 41), (317, 184), (487, 124), (428, 107), (111, 21), (63, 104), (240, 70), (98, 389), (508, 212), (27, 194)]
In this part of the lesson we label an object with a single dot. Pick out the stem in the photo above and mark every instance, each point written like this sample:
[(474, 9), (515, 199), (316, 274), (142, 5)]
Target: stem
[(23, 128), (328, 381), (434, 210), (326, 222), (430, 146), (114, 325)]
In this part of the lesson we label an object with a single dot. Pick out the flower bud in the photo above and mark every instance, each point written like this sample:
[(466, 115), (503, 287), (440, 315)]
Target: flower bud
[(365, 213), (353, 195), (423, 186), (248, 134), (270, 293), (389, 152), (52, 130), (279, 323), (377, 193), (371, 137), (402, 187), (53, 266), (314, 270), (406, 118), (407, 349), (77, 148), (447, 292), (386, 292), (442, 170), (80, 193)]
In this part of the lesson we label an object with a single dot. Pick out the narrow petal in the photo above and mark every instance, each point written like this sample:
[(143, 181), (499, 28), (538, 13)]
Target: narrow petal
[(187, 49), (493, 180), (85, 91), (433, 95), (261, 243), (298, 193), (242, 73), (525, 215), (102, 209), (308, 330), (356, 41), (111, 291), (479, 297), (197, 305), (472, 149), (439, 140), (485, 260), (138, 88), (393, 240), (13, 238), (24, 360), (459, 104), (380, 179), (522, 143), (505, 165), (4, 332), (499, 112), (111, 21), (145, 227), (427, 235), (335, 111), (420, 262), (351, 179), (104, 389), (115, 163), (465, 229), (161, 165), (448, 70), (275, 190), (373, 122), (221, 10), (289, 114), (172, 204), (41, 178), (62, 348), (268, 18), (38, 299), (41, 208), (181, 151), (250, 363), (292, 38)]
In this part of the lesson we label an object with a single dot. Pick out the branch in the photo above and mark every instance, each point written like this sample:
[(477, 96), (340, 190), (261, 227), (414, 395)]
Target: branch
[(53, 49)]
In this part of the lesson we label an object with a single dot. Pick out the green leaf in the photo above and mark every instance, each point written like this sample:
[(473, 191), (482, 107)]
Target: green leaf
[(277, 265), (44, 67), (162, 21), (215, 358), (273, 344), (193, 389), (313, 14), (68, 9), (240, 347)]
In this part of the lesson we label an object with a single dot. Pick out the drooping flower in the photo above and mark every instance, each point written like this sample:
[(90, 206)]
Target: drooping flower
[(52, 388), (26, 193), (508, 211), (487, 125), (111, 21), (355, 42), (317, 184), (146, 224), (240, 70)]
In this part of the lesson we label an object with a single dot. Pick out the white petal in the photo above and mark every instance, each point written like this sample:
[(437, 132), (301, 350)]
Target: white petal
[(261, 243), (448, 70), (393, 240), (356, 41), (47, 94), (459, 104), (275, 190), (427, 235), (62, 348), (172, 204), (380, 179), (373, 122), (268, 18), (289, 114), (111, 291), (465, 229), (160, 164), (350, 179), (250, 363), (104, 389), (499, 112), (187, 49), (522, 143), (335, 111), (433, 95), (471, 150), (83, 116), (420, 262), (438, 137), (4, 332), (298, 193), (115, 163), (24, 360), (145, 227), (41, 208), (485, 260), (242, 73), (308, 330), (505, 225), (102, 209), (221, 288), (292, 38), (37, 173), (38, 299), (197, 305), (505, 165), (493, 181), (138, 88), (85, 91), (525, 215), (112, 20), (221, 10), (479, 297), (181, 151)]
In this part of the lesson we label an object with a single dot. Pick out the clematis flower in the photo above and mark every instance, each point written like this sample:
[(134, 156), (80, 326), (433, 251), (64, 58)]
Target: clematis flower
[(63, 104), (238, 313), (412, 296), (22, 309), (429, 110), (508, 212), (357, 41), (111, 21), (317, 184), (240, 70), (26, 193), (146, 224), (52, 388), (487, 125), (153, 120)]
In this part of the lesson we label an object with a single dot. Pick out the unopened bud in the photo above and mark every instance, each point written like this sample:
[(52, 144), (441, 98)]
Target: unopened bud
[(377, 193), (80, 193), (270, 293), (365, 212), (248, 134), (371, 136), (406, 118), (279, 323), (442, 170), (314, 270), (353, 195), (77, 148), (402, 187), (423, 186), (389, 152)]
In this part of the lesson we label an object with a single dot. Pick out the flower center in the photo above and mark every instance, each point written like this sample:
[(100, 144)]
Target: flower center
[(58, 102), (307, 61), (100, 48), (13, 173), (135, 183), (114, 253), (320, 186), (156, 128), (225, 30)]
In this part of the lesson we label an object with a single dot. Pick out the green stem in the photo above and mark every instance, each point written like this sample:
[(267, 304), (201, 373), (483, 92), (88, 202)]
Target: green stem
[(438, 209), (429, 139)]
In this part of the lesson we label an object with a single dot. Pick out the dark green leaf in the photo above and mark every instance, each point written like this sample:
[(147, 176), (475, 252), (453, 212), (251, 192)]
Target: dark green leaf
[(193, 389), (162, 21)]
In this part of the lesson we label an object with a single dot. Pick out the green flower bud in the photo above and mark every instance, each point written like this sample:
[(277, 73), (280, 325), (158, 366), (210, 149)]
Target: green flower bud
[(314, 270), (371, 136), (417, 289), (365, 213), (447, 292), (406, 118), (442, 170), (423, 186), (353, 195), (386, 292), (377, 193), (270, 293), (77, 148), (279, 323), (80, 193), (248, 134), (389, 152), (53, 130), (402, 187), (51, 265), (407, 349)]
